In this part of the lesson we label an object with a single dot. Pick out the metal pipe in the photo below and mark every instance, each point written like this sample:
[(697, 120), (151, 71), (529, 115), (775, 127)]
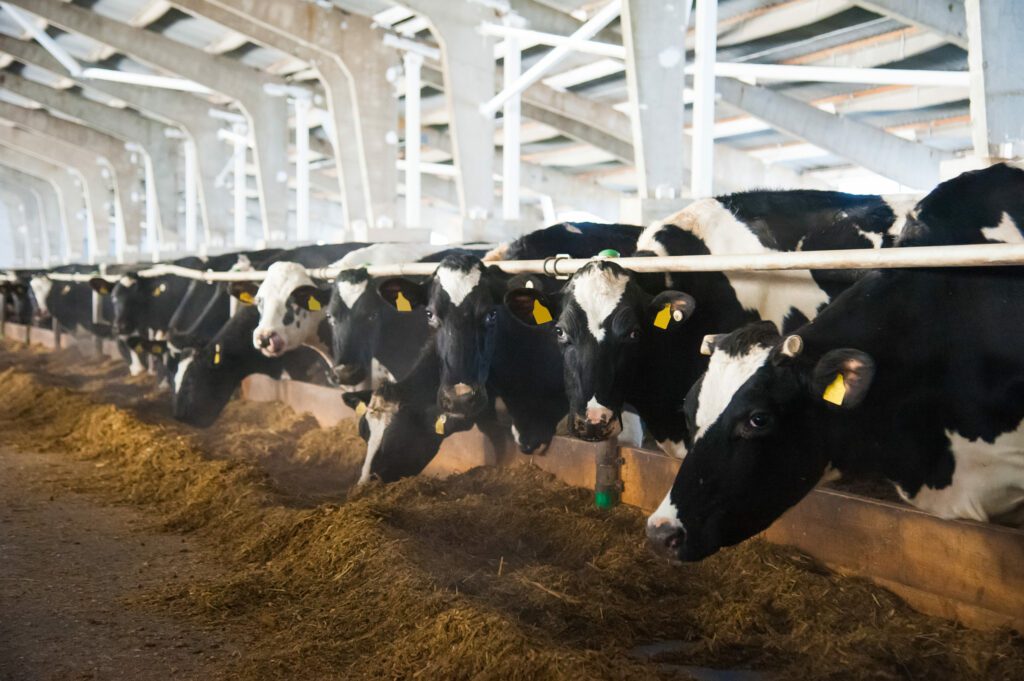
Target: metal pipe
[(539, 37), (191, 195), (705, 45), (413, 195), (510, 150), (44, 39), (302, 106), (240, 182), (149, 80), (588, 30), (836, 74)]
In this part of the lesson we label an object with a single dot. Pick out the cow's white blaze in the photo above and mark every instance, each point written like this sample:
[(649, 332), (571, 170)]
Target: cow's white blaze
[(351, 292), (726, 374), (41, 287), (1007, 231), (127, 282), (988, 479), (598, 290), (666, 515), (179, 375), (901, 205), (273, 298), (457, 283), (378, 417)]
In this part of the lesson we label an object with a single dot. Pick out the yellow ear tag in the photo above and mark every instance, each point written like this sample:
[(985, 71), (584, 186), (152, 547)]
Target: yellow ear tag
[(216, 354), (541, 314), (439, 424), (313, 304), (157, 350), (402, 303), (246, 298), (159, 289), (138, 349), (663, 317), (836, 391), (360, 408), (64, 291)]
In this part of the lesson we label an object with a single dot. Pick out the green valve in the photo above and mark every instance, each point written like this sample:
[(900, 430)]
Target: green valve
[(609, 253), (606, 499)]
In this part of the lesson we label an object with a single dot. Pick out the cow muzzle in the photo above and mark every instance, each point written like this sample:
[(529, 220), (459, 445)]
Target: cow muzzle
[(462, 399), (596, 424), (269, 343), (665, 538)]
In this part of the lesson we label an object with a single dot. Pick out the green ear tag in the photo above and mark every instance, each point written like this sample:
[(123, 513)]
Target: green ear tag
[(836, 391), (541, 315), (609, 253)]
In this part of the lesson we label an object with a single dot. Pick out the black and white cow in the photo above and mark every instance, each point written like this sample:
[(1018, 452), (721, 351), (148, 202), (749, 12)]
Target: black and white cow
[(16, 297), (70, 303), (575, 239), (623, 336), (915, 376), (207, 376)]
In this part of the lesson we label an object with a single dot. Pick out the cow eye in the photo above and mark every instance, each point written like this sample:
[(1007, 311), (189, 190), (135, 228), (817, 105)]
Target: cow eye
[(759, 420), (491, 317), (561, 335), (634, 333)]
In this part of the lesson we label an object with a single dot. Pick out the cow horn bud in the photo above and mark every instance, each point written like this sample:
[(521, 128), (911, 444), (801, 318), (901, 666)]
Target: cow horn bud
[(707, 346), (792, 346)]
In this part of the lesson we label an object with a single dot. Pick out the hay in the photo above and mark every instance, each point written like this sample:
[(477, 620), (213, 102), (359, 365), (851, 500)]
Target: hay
[(493, 574)]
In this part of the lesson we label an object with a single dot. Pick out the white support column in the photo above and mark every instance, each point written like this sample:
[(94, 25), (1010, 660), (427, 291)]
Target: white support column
[(241, 228), (154, 228), (302, 107), (191, 195), (510, 128), (994, 30), (705, 45), (413, 203)]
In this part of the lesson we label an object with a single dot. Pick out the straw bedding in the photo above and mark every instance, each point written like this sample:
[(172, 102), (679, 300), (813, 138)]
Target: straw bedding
[(492, 574)]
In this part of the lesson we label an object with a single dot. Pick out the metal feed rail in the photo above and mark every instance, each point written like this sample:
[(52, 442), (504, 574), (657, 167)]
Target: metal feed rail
[(975, 255)]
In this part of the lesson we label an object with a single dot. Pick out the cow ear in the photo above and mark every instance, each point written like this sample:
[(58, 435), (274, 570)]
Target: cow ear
[(311, 298), (531, 307), (670, 309), (842, 377), (357, 400), (101, 286), (244, 291), (137, 344), (402, 294)]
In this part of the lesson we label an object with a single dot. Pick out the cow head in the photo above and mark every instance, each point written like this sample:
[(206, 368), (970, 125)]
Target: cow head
[(204, 381), (287, 320), (129, 298), (353, 310), (462, 302), (754, 416), (605, 320), (41, 286)]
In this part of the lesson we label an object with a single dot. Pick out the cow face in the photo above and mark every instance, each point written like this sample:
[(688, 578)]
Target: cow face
[(41, 286), (462, 303), (284, 325), (204, 381), (604, 321), (128, 298), (754, 418), (353, 311)]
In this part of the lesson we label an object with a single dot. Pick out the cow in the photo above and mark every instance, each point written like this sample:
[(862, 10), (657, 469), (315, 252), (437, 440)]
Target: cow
[(575, 239), (623, 335), (912, 375), (70, 303), (201, 389), (15, 296)]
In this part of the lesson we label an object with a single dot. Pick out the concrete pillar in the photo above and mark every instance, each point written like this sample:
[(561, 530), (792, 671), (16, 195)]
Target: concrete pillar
[(25, 206), (95, 188), (469, 80), (218, 73), (124, 173), (186, 111), (994, 30), (68, 245), (654, 35), (17, 221), (123, 124)]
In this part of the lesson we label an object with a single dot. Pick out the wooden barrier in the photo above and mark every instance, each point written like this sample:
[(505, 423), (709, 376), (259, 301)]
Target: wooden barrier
[(967, 571)]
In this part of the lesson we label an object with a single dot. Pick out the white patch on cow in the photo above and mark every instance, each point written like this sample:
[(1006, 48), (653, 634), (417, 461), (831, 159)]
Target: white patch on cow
[(649, 242), (378, 416), (515, 435), (874, 237), (726, 374), (1006, 231), (379, 373), (573, 229), (273, 298), (41, 287), (458, 284), (243, 264), (676, 449), (351, 292), (1017, 163), (988, 479), (500, 252), (598, 290), (902, 206), (127, 282), (666, 514), (179, 375), (632, 434)]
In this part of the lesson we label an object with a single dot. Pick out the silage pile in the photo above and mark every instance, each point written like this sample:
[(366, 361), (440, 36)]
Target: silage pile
[(493, 574)]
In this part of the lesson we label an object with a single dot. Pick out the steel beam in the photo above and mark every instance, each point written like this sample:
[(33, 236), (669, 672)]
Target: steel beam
[(653, 36), (944, 17), (995, 28), (30, 210), (70, 198), (46, 206), (83, 164), (123, 124), (174, 108), (20, 226), (909, 163), (267, 116)]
